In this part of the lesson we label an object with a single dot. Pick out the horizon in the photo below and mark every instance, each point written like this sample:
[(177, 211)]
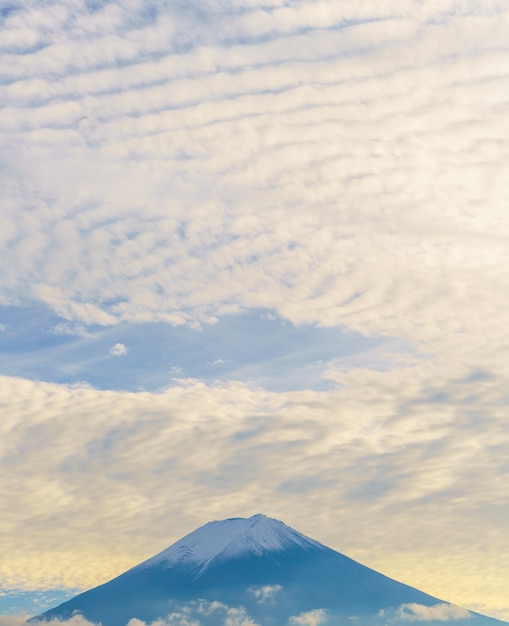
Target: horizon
[(254, 257)]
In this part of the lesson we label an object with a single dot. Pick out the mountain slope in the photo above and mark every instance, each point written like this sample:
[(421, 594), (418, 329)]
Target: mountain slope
[(261, 568)]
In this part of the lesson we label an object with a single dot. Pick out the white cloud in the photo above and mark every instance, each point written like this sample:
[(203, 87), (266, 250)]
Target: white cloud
[(64, 328), (337, 162), (216, 362), (182, 617), (309, 618), (119, 349), (265, 593), (19, 620), (357, 471), (127, 233), (440, 612), (238, 617), (189, 615)]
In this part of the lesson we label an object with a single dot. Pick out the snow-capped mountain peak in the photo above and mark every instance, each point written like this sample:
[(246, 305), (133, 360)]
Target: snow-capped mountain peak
[(262, 571), (230, 538)]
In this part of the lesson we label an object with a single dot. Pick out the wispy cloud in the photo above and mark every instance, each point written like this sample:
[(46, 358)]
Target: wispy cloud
[(73, 330), (246, 347)]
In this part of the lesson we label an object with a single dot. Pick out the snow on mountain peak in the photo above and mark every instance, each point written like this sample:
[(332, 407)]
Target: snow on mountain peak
[(231, 538)]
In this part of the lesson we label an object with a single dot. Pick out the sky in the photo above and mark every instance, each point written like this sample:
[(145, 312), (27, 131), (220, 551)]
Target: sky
[(254, 259)]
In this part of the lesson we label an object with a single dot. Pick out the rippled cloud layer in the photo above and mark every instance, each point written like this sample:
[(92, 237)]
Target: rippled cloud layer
[(341, 167)]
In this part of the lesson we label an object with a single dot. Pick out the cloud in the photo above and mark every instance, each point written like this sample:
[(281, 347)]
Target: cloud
[(217, 362), (440, 612), (253, 439), (181, 617), (309, 618), (238, 617), (73, 330), (338, 163), (126, 229), (13, 620), (265, 593), (191, 614), (19, 620), (119, 349)]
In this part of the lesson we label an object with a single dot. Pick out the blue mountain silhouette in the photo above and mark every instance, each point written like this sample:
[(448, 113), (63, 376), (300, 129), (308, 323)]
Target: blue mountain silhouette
[(259, 571)]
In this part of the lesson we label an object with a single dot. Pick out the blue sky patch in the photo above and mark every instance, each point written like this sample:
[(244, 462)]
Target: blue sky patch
[(254, 347)]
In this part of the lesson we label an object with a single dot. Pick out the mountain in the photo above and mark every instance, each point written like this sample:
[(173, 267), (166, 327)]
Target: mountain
[(257, 571)]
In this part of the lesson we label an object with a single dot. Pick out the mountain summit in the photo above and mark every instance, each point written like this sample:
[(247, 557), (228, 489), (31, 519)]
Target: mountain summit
[(230, 539), (257, 572)]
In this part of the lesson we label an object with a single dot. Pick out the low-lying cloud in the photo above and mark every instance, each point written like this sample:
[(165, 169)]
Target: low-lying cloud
[(309, 618), (13, 620), (442, 612), (265, 593), (198, 613)]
